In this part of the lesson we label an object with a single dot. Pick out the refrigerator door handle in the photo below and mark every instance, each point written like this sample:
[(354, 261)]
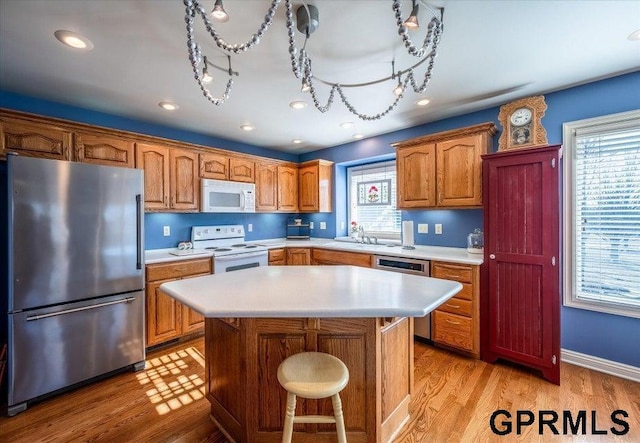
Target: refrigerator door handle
[(139, 231), (84, 308)]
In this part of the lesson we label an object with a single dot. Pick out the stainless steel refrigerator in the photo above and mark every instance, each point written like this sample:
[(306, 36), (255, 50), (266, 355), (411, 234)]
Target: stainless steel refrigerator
[(75, 274)]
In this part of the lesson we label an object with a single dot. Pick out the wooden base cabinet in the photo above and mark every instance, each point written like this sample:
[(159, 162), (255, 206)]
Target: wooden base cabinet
[(299, 256), (456, 323), (242, 357), (277, 257), (521, 307), (166, 318)]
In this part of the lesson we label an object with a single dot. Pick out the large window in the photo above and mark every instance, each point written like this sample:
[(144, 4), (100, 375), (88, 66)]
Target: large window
[(602, 208), (372, 199)]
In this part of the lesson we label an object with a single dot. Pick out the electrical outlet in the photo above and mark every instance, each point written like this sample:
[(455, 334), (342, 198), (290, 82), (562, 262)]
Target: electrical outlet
[(310, 225), (423, 228), (438, 228), (323, 225), (166, 231), (249, 227), (341, 225)]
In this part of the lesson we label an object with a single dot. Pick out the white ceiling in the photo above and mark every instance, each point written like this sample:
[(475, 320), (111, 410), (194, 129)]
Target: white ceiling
[(491, 52)]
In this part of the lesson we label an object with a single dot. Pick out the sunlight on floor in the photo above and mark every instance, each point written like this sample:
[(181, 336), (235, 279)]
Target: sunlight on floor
[(170, 384)]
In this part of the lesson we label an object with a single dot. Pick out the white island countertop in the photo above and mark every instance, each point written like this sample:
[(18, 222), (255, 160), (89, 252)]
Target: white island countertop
[(311, 291)]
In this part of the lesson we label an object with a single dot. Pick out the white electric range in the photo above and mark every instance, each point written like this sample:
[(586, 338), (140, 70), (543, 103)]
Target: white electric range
[(227, 243)]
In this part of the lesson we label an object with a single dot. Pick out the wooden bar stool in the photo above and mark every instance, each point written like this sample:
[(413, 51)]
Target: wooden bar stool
[(313, 375)]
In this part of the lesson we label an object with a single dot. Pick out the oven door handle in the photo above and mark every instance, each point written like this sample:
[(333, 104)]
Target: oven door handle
[(243, 256)]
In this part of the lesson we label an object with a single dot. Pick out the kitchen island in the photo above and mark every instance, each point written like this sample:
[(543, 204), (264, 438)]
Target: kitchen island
[(257, 317)]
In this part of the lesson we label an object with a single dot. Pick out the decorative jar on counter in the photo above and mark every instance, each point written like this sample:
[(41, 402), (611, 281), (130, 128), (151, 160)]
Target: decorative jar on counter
[(475, 242)]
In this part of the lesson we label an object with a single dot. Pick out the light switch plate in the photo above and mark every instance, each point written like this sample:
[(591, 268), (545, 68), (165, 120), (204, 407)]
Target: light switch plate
[(341, 225), (323, 225), (310, 225), (423, 228), (438, 228), (166, 231), (250, 227)]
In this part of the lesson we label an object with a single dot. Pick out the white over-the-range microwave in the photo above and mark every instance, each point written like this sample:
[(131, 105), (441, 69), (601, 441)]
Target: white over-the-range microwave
[(227, 196)]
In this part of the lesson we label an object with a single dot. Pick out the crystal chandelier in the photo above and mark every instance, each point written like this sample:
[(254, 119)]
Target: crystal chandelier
[(307, 21)]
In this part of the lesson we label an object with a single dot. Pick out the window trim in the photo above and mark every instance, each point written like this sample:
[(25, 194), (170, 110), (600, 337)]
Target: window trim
[(569, 129), (363, 168)]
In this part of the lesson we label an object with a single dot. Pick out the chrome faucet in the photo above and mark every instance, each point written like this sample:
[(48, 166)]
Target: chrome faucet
[(361, 235)]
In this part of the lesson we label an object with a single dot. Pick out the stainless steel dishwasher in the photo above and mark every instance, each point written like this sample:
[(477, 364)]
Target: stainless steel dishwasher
[(422, 325)]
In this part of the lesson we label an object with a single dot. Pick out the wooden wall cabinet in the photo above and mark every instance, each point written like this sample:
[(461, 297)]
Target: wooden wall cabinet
[(184, 181), (166, 318), (214, 166), (172, 169), (416, 176), (276, 187), (456, 323), (103, 149), (314, 186), (242, 170), (331, 257), (288, 188), (224, 167), (170, 177), (266, 187), (34, 139), (154, 159), (299, 256), (521, 306), (443, 169), (277, 257)]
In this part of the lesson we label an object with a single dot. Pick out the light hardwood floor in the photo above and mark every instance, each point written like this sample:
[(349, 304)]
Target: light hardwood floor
[(453, 402)]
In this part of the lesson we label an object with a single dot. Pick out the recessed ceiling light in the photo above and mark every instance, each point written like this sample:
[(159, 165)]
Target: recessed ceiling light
[(297, 141), (422, 102), (347, 125), (168, 106), (358, 136), (634, 36), (74, 40), (298, 105), (247, 127)]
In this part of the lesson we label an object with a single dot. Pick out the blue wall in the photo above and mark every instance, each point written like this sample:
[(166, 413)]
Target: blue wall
[(606, 336)]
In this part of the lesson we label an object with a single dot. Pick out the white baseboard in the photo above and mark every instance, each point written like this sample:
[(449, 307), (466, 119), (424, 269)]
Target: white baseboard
[(600, 364)]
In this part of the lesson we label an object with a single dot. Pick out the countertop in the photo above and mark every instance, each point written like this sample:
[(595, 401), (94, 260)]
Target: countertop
[(311, 291), (440, 253)]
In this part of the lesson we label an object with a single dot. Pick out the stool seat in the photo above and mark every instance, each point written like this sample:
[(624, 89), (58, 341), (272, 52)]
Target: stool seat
[(313, 375)]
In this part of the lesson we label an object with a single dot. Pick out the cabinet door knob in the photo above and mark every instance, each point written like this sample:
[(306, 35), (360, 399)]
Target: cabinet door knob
[(492, 256)]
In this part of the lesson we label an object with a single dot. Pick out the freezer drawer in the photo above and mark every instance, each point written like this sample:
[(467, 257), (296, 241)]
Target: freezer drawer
[(56, 347)]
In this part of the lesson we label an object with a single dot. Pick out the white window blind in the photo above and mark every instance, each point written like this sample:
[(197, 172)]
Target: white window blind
[(604, 214), (379, 218)]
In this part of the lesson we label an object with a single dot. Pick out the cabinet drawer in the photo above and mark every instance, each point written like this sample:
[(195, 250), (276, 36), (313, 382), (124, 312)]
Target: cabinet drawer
[(457, 306), (324, 256), (460, 273), (453, 330), (277, 255), (466, 293), (177, 269)]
